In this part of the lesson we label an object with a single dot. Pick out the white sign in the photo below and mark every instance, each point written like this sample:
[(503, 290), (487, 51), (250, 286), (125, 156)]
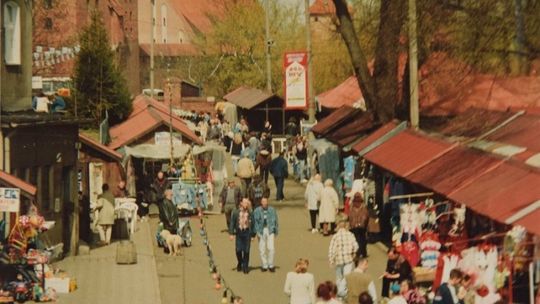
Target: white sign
[(163, 138), (10, 199), (37, 82), (296, 86)]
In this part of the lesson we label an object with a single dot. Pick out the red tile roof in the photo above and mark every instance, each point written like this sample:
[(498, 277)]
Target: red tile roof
[(100, 147), (147, 115), (200, 13), (15, 182), (246, 97), (347, 93), (333, 120), (407, 151), (322, 7), (170, 50)]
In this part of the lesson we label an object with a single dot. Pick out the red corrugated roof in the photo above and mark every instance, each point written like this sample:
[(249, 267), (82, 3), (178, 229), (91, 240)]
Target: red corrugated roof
[(374, 136), (523, 131), (502, 192), (98, 146), (406, 152), (246, 97), (147, 115), (170, 50), (322, 7), (454, 169), (351, 130), (333, 120), (15, 182), (347, 93)]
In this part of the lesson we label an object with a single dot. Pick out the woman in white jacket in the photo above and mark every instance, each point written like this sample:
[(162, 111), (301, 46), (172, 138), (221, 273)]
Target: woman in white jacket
[(300, 284), (313, 197), (329, 205)]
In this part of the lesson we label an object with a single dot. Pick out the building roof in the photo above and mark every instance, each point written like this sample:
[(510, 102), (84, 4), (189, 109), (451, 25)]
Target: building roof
[(246, 97), (473, 122), (322, 7), (170, 50), (347, 93), (200, 13), (16, 182), (86, 140), (333, 120), (368, 143), (147, 115), (407, 151), (356, 126)]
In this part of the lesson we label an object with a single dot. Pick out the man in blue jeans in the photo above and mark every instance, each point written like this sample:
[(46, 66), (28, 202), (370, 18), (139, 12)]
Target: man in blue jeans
[(266, 227), (280, 171), (242, 228)]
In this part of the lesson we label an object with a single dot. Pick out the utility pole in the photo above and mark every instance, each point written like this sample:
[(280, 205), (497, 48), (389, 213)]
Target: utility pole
[(170, 114), (152, 38), (413, 65), (311, 91), (269, 43)]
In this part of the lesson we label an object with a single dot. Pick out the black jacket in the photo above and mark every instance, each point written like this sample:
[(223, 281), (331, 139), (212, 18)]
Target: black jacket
[(233, 225), (168, 215), (444, 296)]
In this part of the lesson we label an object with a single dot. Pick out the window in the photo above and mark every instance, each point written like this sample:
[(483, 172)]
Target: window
[(48, 24), (12, 27), (48, 4), (164, 23)]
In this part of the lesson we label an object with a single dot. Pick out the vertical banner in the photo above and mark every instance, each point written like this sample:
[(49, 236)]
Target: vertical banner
[(296, 80)]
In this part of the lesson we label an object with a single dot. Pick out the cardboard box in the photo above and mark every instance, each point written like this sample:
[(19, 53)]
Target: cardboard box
[(61, 285)]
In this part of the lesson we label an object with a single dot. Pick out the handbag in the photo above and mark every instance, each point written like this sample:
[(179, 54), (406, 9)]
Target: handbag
[(374, 225)]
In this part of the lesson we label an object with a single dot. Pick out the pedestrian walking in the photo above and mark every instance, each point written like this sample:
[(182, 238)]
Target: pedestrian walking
[(245, 171), (105, 207), (257, 190), (266, 227), (242, 229), (236, 148), (229, 199), (326, 293), (262, 163), (397, 270), (358, 219), (329, 207), (359, 281), (279, 170), (300, 284), (313, 199), (341, 253), (301, 157)]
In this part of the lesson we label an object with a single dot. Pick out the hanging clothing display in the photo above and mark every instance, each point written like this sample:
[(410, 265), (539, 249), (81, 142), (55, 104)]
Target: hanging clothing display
[(481, 262), (349, 163), (429, 245)]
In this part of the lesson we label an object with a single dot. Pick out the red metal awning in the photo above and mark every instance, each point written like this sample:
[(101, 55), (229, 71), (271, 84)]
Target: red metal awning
[(407, 151), (358, 125), (454, 169), (12, 181), (375, 136), (328, 123)]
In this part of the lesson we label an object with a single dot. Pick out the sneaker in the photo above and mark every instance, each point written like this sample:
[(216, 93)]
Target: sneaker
[(314, 230), (272, 269)]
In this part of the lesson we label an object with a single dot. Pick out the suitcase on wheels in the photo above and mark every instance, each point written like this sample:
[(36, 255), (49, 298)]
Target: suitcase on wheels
[(126, 253)]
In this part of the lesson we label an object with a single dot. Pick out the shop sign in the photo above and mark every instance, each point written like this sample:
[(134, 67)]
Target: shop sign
[(10, 199), (296, 80)]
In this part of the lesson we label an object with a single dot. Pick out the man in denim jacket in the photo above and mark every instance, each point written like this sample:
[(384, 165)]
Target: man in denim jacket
[(266, 227)]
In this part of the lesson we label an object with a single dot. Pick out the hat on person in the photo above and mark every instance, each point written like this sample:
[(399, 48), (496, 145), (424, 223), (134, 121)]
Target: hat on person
[(395, 288), (342, 218), (264, 152)]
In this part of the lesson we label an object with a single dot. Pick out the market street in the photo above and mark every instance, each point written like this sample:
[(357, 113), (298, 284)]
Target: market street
[(186, 278)]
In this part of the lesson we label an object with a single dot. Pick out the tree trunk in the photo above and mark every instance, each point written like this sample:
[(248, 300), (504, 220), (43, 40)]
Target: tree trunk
[(380, 90), (358, 59), (387, 50)]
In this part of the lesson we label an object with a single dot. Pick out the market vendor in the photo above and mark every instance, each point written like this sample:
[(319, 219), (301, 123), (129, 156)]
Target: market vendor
[(121, 190), (397, 270)]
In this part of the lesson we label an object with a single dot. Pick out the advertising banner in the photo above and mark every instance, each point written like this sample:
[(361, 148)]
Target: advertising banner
[(10, 199), (296, 80)]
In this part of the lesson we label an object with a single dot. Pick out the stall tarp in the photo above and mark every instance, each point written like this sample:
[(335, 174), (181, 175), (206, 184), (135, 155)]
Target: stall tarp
[(151, 151), (208, 147)]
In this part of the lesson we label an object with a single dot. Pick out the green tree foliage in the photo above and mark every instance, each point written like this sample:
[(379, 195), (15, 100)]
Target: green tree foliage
[(233, 53), (99, 85)]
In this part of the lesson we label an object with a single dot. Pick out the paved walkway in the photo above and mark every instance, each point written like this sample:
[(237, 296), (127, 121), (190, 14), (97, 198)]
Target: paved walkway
[(101, 280)]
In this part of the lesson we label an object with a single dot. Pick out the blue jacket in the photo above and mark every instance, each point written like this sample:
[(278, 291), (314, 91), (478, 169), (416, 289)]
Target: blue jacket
[(271, 220), (279, 167)]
